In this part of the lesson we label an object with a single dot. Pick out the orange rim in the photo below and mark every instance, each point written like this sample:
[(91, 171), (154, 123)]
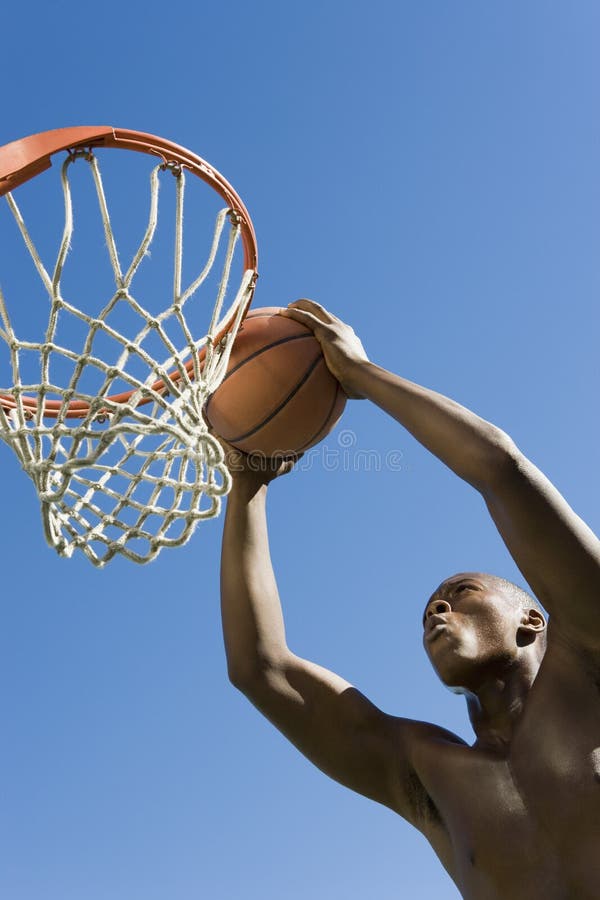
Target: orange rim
[(22, 160)]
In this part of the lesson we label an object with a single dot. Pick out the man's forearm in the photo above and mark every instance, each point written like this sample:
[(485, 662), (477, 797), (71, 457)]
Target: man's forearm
[(473, 448), (253, 626)]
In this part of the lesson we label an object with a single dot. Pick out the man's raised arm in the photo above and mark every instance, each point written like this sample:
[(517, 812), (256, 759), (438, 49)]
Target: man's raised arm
[(556, 552), (331, 722)]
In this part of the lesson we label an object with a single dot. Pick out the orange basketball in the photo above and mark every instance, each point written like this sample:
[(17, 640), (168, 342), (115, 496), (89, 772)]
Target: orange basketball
[(278, 396)]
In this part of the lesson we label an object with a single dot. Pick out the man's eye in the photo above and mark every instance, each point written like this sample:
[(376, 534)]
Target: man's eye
[(463, 587)]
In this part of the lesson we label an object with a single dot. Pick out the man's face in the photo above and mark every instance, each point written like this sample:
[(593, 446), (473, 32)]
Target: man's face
[(470, 630)]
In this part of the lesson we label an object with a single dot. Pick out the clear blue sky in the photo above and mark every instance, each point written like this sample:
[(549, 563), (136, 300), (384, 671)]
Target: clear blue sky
[(430, 171)]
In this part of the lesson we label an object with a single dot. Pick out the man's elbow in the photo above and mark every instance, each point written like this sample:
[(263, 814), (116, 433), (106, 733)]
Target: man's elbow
[(251, 677), (503, 461), (242, 677)]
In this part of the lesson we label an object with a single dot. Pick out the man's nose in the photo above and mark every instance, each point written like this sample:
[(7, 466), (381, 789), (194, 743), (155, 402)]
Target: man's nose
[(437, 607)]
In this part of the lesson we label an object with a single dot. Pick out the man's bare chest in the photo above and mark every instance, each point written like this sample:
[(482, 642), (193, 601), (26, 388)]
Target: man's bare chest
[(527, 822), (524, 833)]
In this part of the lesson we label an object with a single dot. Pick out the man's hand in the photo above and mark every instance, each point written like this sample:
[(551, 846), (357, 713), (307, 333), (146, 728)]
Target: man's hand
[(254, 470), (342, 349)]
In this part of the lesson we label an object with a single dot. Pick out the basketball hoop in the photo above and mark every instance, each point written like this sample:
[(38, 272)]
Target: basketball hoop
[(129, 470)]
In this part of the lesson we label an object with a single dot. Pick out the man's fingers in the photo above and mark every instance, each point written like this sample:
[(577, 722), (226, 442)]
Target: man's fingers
[(305, 318), (311, 306), (288, 464)]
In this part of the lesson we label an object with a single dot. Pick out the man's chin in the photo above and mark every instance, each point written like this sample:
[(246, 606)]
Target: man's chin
[(454, 677)]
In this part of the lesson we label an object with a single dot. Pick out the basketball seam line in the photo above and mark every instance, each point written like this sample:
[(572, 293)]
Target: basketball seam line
[(325, 422), (293, 392), (285, 340)]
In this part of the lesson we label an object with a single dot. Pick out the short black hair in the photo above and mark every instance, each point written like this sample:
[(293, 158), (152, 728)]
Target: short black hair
[(520, 597)]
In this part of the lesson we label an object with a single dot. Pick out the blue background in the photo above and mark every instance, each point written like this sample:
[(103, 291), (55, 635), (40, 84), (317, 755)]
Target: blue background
[(430, 172)]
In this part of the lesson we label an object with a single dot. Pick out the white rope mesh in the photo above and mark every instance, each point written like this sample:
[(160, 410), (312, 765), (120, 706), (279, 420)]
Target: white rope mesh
[(123, 478)]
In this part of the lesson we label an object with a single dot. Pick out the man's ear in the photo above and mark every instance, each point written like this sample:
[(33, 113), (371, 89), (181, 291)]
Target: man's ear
[(532, 624)]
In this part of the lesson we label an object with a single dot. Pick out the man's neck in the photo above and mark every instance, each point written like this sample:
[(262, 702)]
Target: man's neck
[(495, 708)]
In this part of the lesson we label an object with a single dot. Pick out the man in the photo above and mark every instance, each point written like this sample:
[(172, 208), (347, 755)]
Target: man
[(517, 815)]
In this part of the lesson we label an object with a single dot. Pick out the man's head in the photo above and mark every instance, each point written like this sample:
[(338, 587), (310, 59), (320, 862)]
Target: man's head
[(479, 626)]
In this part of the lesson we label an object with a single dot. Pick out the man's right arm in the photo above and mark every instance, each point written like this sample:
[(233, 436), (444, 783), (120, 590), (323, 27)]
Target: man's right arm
[(555, 550), (327, 719)]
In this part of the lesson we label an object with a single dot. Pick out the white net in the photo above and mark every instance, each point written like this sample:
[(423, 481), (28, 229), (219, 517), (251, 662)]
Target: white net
[(120, 474)]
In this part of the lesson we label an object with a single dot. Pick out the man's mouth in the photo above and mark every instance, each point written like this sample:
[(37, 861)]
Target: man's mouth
[(434, 626), (434, 631)]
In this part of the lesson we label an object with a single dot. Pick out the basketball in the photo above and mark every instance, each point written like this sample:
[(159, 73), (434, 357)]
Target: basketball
[(278, 396)]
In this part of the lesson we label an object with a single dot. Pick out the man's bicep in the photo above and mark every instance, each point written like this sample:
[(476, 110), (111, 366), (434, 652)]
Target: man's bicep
[(554, 549), (344, 734), (330, 722)]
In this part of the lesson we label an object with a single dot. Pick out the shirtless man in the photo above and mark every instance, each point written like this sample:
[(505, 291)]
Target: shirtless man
[(515, 816)]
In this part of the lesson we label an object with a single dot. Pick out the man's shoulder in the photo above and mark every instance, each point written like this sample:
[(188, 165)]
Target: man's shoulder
[(566, 654), (422, 749), (560, 717), (431, 755), (425, 733)]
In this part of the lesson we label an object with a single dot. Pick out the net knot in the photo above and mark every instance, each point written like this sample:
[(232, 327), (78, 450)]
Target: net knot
[(76, 153), (172, 166)]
